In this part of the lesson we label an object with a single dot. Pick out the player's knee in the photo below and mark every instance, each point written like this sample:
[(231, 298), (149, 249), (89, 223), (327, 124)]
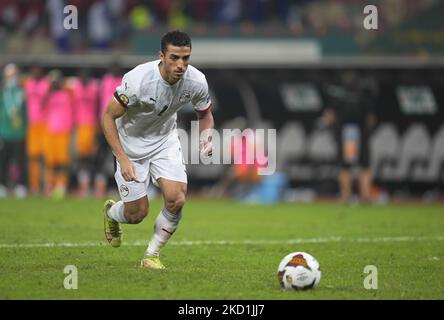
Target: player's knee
[(174, 205), (137, 215)]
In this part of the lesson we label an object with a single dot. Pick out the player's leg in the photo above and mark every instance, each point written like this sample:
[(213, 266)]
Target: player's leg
[(99, 167), (168, 171), (115, 213), (132, 212), (345, 184), (167, 221), (85, 150), (365, 182), (62, 163), (20, 190), (347, 158), (133, 206), (34, 148), (365, 175), (5, 156), (50, 158)]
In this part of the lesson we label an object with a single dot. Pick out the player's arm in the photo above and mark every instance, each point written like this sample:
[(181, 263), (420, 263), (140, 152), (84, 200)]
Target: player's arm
[(113, 111), (206, 122), (202, 107)]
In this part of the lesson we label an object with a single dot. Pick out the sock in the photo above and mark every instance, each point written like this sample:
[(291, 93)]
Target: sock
[(117, 212), (164, 227)]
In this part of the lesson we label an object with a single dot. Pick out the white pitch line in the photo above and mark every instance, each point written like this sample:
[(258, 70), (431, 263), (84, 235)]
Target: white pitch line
[(226, 242)]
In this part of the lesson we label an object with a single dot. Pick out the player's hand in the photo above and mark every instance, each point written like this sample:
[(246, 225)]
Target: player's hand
[(127, 170), (206, 147)]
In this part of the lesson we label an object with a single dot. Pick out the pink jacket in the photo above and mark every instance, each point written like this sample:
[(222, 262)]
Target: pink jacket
[(108, 87), (59, 111), (85, 100)]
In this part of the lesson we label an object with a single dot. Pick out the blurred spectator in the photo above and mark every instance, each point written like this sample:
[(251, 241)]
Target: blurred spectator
[(110, 81), (56, 17), (36, 88), (177, 18), (79, 37), (59, 114), (242, 175), (100, 25), (228, 12), (200, 10), (12, 133), (163, 9), (245, 171), (9, 14), (85, 94), (141, 17), (351, 115), (254, 11)]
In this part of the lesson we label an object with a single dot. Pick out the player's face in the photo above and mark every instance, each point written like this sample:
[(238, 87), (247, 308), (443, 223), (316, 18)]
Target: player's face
[(174, 62)]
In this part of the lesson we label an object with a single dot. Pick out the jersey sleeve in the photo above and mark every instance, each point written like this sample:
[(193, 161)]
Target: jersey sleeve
[(202, 100), (126, 92)]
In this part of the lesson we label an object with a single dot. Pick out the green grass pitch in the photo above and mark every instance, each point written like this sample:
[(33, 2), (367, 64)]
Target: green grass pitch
[(222, 250)]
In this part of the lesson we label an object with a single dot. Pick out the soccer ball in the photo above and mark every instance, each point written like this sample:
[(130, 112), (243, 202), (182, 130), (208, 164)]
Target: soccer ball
[(299, 271)]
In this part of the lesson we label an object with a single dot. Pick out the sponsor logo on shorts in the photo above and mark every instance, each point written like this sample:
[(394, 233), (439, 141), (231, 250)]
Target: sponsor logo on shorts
[(124, 191), (185, 96)]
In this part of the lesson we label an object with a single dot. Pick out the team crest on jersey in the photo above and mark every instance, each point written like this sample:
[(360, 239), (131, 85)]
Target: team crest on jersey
[(124, 191), (185, 96), (123, 98)]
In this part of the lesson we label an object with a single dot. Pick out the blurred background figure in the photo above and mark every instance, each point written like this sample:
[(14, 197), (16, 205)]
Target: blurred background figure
[(100, 26), (36, 88), (351, 115), (59, 33), (60, 117), (13, 127), (85, 95), (109, 82), (245, 165), (242, 175)]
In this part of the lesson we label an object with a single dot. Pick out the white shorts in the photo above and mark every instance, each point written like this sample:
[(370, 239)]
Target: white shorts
[(166, 162)]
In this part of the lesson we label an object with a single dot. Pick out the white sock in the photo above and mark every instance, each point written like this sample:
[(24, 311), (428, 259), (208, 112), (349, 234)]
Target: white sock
[(116, 212), (164, 227)]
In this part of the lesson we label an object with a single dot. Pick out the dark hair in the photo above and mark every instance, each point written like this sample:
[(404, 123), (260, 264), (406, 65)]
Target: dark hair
[(176, 38)]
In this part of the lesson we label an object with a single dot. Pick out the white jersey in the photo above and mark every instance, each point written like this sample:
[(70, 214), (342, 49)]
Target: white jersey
[(151, 106)]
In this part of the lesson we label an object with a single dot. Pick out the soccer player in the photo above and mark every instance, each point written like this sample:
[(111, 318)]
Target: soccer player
[(36, 88), (13, 126), (140, 127), (352, 118), (60, 116), (85, 93), (108, 85)]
